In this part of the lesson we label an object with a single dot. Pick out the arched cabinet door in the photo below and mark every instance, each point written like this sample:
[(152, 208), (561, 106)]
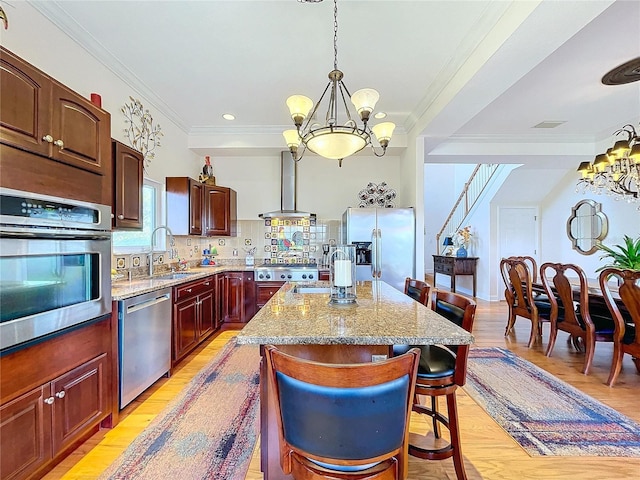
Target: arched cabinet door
[(587, 226)]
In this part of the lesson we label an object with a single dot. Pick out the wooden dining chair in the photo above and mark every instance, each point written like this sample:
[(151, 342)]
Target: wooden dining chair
[(626, 338), (343, 421), (417, 289), (583, 323), (520, 298)]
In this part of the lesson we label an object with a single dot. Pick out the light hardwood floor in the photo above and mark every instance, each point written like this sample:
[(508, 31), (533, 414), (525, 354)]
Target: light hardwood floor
[(489, 452)]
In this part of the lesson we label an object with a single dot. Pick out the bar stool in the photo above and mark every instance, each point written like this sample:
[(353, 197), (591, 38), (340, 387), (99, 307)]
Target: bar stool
[(441, 371)]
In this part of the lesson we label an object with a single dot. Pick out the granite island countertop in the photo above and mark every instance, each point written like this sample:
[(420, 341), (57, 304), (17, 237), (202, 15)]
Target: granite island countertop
[(381, 315), (123, 289)]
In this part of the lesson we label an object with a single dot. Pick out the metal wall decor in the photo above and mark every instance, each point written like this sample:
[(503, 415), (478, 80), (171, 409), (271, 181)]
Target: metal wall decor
[(380, 195), (143, 135)]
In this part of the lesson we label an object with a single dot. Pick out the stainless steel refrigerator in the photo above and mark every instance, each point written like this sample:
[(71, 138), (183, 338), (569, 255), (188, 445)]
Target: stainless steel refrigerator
[(390, 235)]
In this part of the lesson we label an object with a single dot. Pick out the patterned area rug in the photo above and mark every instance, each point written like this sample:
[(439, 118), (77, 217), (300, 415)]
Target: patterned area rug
[(208, 431), (542, 413)]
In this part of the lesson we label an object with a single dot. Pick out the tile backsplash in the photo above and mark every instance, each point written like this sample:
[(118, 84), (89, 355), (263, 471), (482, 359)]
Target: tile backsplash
[(301, 240)]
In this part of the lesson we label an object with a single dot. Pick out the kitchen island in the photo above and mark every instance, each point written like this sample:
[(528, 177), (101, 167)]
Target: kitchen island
[(299, 320)]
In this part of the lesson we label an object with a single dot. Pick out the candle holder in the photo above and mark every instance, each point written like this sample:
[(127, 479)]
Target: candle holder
[(342, 274)]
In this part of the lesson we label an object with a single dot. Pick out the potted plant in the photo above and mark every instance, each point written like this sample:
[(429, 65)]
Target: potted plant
[(626, 256)]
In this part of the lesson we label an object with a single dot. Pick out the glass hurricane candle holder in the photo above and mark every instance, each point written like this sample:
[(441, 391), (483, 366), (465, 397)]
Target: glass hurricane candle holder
[(342, 274)]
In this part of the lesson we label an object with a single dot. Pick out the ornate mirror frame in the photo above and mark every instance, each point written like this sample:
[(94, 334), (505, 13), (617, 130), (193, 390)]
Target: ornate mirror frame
[(587, 226)]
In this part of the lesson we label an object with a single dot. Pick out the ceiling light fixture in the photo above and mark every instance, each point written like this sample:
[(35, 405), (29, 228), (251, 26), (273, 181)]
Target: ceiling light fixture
[(335, 140), (228, 116), (616, 172)]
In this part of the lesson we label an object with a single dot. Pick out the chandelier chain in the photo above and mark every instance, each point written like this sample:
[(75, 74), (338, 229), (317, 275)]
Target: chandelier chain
[(335, 34)]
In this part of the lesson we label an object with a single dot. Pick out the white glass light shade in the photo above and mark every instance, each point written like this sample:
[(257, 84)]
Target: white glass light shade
[(365, 99), (335, 143), (383, 131), (299, 106), (292, 138)]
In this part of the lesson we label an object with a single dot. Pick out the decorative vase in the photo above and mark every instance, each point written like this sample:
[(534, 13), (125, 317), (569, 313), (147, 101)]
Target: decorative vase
[(462, 252)]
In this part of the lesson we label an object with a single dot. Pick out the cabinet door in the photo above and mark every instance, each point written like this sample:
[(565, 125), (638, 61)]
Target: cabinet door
[(81, 132), (80, 399), (207, 316), (185, 327), (220, 299), (25, 434), (25, 109), (234, 297), (196, 193), (266, 290), (220, 211), (249, 296), (128, 179)]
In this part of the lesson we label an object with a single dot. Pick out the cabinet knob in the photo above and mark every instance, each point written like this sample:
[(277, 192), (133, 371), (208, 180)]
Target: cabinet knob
[(121, 217), (59, 144), (189, 290), (49, 401), (207, 284), (61, 394), (48, 138)]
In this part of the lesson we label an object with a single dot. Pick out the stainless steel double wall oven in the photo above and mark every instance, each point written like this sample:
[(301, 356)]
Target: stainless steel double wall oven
[(55, 265)]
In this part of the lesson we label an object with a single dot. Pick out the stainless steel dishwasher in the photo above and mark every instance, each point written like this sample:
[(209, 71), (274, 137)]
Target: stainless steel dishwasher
[(145, 342)]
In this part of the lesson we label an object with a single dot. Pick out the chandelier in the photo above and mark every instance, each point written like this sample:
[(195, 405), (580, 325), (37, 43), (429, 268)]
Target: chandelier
[(335, 140), (616, 172)]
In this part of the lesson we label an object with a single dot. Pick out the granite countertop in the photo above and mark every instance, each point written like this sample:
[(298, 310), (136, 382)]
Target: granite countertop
[(123, 289), (382, 315)]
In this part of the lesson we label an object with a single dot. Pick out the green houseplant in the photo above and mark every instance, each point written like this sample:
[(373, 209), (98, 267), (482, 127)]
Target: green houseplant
[(622, 256)]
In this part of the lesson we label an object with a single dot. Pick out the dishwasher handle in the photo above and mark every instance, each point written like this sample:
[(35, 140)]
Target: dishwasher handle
[(154, 301)]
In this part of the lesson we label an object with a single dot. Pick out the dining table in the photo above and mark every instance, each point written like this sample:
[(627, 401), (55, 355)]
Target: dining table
[(300, 320)]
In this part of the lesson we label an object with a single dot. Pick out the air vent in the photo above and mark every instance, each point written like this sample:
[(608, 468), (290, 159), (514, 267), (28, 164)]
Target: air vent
[(549, 124)]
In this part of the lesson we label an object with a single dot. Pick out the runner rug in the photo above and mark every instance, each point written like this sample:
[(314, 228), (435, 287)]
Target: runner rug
[(208, 431), (544, 414)]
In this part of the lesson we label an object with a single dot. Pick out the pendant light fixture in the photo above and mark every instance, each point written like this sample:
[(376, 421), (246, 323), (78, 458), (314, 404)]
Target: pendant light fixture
[(333, 139), (616, 172)]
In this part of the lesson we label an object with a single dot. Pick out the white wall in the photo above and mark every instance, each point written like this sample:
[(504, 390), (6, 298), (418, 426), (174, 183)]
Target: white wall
[(624, 219), (323, 188)]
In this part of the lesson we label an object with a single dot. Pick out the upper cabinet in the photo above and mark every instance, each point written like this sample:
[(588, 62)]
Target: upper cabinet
[(127, 189), (197, 209), (220, 211), (70, 136)]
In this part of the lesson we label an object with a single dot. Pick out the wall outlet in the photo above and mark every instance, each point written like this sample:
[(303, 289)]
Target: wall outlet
[(378, 358)]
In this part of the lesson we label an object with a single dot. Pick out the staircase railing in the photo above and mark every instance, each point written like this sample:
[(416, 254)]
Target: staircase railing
[(470, 194)]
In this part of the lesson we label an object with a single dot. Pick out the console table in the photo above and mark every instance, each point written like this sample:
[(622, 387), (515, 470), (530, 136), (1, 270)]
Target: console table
[(453, 266)]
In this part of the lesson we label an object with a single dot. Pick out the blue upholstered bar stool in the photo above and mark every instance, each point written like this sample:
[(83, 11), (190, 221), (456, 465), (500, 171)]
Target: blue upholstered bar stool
[(343, 421), (442, 370)]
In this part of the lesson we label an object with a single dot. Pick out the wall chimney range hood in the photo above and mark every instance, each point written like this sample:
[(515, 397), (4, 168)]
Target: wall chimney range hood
[(288, 190)]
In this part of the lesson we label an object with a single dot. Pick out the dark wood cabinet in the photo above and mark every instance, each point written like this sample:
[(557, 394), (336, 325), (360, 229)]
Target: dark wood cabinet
[(240, 297), (453, 266), (69, 135), (193, 316), (194, 208), (266, 290), (220, 299), (323, 275), (54, 394), (184, 205), (128, 178), (220, 210)]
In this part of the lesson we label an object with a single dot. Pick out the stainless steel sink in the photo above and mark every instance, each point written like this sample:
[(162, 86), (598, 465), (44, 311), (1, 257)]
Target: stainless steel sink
[(311, 289), (172, 276)]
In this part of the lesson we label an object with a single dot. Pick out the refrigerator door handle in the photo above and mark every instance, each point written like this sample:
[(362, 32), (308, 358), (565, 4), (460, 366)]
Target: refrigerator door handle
[(374, 253), (379, 251)]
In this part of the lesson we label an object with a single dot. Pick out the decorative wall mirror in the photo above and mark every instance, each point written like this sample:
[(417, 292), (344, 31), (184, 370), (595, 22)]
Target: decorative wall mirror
[(587, 226)]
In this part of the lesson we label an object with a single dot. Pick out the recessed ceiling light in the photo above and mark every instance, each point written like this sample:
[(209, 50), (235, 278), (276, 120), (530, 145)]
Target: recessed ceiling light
[(380, 115), (549, 124), (228, 116)]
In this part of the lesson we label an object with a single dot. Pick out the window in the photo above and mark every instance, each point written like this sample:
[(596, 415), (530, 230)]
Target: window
[(152, 208)]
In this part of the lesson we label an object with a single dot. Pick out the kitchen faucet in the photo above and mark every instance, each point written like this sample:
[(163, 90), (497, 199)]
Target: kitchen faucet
[(153, 234)]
